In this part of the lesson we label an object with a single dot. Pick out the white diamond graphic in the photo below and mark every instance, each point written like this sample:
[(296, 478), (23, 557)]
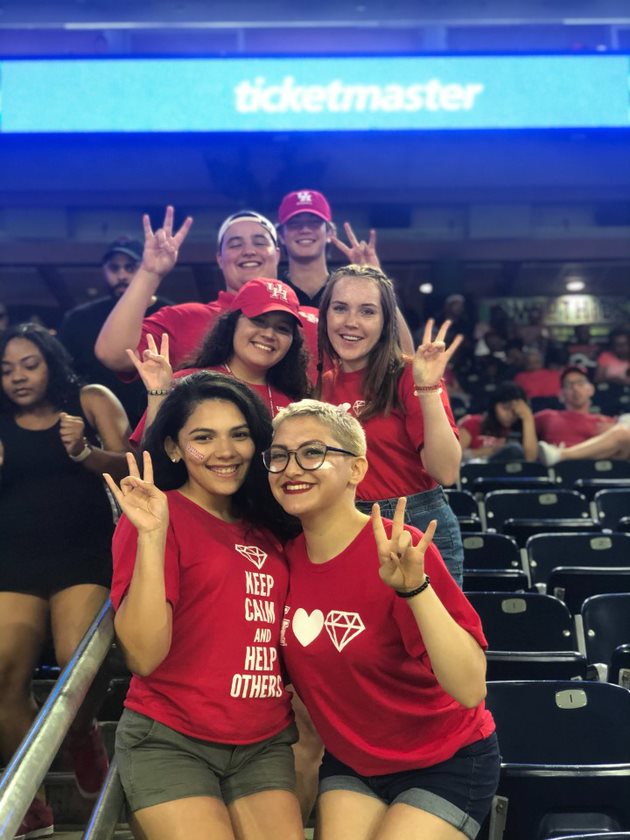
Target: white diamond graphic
[(343, 627), (252, 553)]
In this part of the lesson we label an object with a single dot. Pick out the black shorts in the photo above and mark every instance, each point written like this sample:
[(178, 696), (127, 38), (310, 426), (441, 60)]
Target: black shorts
[(458, 790)]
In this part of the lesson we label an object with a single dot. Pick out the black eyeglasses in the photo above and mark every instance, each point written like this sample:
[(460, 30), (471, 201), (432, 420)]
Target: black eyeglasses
[(309, 456)]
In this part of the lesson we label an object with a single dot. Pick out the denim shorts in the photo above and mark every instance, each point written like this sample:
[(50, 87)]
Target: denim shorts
[(458, 790), (421, 509), (158, 764)]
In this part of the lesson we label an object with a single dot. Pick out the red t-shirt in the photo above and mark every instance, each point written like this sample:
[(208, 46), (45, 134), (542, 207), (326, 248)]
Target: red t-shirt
[(569, 427), (187, 324), (271, 397), (539, 383), (354, 653), (393, 441), (227, 585), (472, 424)]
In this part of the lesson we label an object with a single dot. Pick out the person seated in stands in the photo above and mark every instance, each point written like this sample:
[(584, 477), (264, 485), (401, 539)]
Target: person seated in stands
[(504, 432), (538, 380), (613, 365), (4, 316), (574, 432), (306, 228), (534, 334), (200, 581), (581, 349), (56, 525), (382, 647), (81, 325)]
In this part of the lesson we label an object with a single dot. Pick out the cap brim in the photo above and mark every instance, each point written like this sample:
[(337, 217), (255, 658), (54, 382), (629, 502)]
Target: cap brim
[(128, 253), (304, 210), (271, 307)]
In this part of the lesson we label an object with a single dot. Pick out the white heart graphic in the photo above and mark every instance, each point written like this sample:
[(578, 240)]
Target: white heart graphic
[(306, 628)]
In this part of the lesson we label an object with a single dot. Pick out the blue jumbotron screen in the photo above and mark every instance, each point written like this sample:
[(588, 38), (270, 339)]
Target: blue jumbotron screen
[(314, 94)]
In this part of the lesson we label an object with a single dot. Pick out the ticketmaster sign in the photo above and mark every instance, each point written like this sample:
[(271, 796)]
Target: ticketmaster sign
[(314, 94)]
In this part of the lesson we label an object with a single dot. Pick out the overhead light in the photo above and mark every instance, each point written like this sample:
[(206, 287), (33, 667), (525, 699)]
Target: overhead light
[(574, 284), (425, 288)]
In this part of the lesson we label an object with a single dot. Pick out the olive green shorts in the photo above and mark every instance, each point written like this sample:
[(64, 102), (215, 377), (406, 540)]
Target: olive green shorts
[(158, 764)]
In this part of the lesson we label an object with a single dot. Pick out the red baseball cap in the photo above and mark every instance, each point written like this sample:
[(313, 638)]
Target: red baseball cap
[(304, 201), (261, 295)]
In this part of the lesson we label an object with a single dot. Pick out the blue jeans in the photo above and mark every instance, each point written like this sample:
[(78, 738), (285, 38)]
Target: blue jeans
[(421, 509)]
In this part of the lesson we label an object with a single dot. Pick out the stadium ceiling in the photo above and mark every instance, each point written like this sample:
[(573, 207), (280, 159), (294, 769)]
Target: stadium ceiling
[(253, 14)]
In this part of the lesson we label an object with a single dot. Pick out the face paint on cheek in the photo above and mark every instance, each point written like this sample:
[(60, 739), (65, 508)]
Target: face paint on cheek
[(194, 453)]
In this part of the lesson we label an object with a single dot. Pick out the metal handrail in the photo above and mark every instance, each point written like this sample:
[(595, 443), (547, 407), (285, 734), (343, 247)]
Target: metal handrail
[(107, 808), (28, 767)]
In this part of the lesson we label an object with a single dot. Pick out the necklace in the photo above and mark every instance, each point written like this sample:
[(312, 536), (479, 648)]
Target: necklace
[(250, 384)]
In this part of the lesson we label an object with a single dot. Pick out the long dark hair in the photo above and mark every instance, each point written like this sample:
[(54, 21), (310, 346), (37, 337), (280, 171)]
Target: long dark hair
[(504, 393), (385, 362), (288, 375), (253, 501), (64, 385)]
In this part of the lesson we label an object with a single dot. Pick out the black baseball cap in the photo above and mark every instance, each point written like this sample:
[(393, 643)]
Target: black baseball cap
[(123, 245)]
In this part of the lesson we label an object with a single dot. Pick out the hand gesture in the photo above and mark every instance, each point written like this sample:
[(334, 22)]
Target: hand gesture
[(140, 500), (72, 433), (155, 368), (402, 562), (161, 248), (521, 409), (432, 356), (358, 252)]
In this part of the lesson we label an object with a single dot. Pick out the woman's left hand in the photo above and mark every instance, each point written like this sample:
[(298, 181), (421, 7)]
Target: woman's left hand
[(402, 562), (72, 433), (432, 356)]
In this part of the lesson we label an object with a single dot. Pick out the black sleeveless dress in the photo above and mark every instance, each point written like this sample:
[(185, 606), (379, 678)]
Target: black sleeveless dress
[(56, 519)]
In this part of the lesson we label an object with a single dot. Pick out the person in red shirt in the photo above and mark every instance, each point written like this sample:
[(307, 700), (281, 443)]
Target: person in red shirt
[(381, 645), (504, 432), (537, 380), (402, 403), (258, 340), (575, 433), (200, 581)]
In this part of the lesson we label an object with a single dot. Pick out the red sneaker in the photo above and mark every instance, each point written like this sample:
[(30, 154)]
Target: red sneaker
[(90, 761), (37, 822)]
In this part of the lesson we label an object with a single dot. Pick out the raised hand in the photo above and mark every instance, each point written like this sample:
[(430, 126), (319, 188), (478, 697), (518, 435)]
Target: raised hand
[(402, 562), (155, 368), (521, 409), (140, 500), (162, 247), (358, 252), (72, 433), (432, 356)]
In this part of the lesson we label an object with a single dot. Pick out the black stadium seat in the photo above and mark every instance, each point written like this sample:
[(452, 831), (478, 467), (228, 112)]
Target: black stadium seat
[(566, 473), (606, 622), (565, 750), (574, 584), (533, 504), (547, 551), (612, 505), (498, 469), (524, 622)]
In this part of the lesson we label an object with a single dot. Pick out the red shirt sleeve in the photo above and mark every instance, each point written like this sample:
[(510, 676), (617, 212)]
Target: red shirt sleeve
[(124, 549)]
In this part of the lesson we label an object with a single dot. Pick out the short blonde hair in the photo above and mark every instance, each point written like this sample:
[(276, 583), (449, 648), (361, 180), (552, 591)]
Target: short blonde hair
[(345, 429)]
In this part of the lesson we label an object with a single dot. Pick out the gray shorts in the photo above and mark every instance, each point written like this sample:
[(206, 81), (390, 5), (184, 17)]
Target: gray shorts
[(158, 764)]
